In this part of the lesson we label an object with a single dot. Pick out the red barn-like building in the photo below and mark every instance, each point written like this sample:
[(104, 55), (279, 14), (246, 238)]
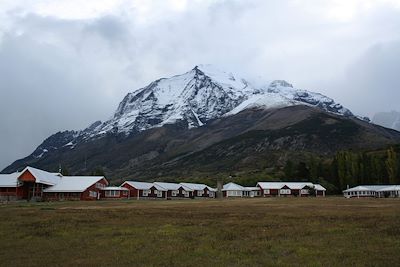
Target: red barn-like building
[(36, 184), (200, 190), (285, 189), (76, 188), (143, 190), (175, 190)]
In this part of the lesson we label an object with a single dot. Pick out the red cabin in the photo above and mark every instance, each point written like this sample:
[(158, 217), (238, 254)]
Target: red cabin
[(140, 190), (76, 188), (35, 184), (114, 192)]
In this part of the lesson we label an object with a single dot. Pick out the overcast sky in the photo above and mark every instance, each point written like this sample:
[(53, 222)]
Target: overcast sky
[(65, 64)]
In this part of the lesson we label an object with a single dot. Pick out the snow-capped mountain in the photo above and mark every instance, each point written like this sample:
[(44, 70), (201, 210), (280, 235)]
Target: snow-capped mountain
[(202, 94), (194, 98)]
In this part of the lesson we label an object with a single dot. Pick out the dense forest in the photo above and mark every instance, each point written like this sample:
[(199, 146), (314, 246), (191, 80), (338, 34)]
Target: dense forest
[(348, 168)]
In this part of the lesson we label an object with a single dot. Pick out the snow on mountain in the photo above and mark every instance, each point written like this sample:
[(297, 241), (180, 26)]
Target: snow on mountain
[(202, 94), (265, 100), (195, 97)]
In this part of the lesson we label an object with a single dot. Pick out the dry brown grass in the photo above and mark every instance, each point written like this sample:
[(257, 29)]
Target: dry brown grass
[(259, 232)]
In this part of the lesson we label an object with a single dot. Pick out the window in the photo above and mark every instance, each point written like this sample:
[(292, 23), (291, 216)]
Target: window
[(124, 193), (174, 193), (112, 193), (304, 191), (92, 193), (234, 193), (210, 194), (200, 193), (146, 192), (266, 192), (100, 185), (186, 193), (285, 191), (159, 193)]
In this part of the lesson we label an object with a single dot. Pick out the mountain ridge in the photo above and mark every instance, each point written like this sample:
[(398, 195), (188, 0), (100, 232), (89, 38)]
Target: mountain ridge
[(188, 101), (204, 93)]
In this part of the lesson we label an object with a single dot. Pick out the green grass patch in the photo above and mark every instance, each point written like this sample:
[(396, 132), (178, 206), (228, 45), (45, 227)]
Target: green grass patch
[(257, 232)]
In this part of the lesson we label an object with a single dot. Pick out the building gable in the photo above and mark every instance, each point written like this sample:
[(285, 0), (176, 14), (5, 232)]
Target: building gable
[(27, 176)]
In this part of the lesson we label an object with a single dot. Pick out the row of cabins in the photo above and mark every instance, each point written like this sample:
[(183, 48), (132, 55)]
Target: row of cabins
[(36, 184), (274, 189), (159, 190), (378, 191)]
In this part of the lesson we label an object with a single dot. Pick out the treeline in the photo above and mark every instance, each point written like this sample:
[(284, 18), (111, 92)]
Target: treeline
[(348, 168)]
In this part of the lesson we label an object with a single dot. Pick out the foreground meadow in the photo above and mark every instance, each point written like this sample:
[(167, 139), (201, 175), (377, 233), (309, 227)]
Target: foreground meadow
[(259, 232)]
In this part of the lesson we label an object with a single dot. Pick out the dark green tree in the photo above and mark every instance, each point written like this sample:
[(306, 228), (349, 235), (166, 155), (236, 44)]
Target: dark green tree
[(98, 172), (64, 171), (392, 165), (289, 170), (302, 172)]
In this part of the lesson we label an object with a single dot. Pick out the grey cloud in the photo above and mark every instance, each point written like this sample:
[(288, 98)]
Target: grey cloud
[(372, 82), (47, 85), (64, 74)]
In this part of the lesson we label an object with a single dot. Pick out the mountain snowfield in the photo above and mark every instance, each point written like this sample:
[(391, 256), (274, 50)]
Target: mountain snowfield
[(196, 97), (202, 94)]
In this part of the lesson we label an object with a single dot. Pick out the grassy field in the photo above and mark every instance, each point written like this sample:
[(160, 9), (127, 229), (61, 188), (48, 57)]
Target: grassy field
[(243, 232)]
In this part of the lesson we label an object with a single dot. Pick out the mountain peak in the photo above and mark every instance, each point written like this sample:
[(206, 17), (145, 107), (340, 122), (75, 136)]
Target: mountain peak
[(199, 96), (206, 92)]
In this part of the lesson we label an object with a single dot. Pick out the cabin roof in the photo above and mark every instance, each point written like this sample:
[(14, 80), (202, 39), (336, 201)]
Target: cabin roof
[(9, 180), (139, 185), (74, 184), (366, 188), (291, 185), (172, 186), (319, 187), (390, 188), (195, 186), (43, 177), (233, 187)]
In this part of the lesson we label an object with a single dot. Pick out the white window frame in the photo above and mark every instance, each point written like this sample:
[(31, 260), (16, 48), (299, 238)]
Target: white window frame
[(159, 193), (285, 191), (100, 185), (146, 192), (267, 192), (304, 191), (200, 193), (186, 193), (92, 193), (174, 193), (112, 193)]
